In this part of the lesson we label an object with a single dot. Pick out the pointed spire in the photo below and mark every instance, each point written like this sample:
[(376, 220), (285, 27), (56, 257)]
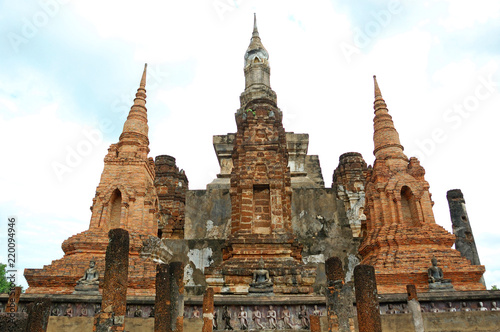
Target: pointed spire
[(135, 129), (255, 49), (143, 79), (385, 136), (255, 32), (377, 89), (257, 71)]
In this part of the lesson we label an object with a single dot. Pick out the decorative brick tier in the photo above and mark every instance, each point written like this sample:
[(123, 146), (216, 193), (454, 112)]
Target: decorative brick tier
[(61, 275), (402, 255)]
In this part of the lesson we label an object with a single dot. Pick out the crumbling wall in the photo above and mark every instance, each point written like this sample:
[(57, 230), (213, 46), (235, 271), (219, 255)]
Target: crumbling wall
[(318, 220)]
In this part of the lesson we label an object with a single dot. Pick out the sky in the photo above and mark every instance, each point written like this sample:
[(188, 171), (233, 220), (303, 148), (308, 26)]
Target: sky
[(69, 71)]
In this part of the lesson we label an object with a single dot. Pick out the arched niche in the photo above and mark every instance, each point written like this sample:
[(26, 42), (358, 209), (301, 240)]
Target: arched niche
[(409, 206), (115, 209)]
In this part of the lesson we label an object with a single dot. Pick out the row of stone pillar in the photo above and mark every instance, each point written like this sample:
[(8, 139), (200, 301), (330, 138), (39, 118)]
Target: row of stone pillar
[(339, 298), (169, 301)]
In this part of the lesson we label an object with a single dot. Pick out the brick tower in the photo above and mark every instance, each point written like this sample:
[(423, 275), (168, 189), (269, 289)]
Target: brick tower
[(401, 233), (260, 191), (171, 186), (125, 198)]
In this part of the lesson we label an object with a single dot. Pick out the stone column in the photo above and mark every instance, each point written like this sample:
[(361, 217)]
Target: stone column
[(162, 299), (315, 324), (414, 308), (13, 300), (114, 295), (176, 296), (38, 315), (208, 310), (338, 307), (462, 229), (366, 299)]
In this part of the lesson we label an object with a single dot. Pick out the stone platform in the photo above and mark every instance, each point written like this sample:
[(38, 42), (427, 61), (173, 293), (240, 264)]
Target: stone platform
[(435, 306)]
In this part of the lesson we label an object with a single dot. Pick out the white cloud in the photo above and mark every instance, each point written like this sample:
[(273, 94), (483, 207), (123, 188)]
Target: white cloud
[(466, 14)]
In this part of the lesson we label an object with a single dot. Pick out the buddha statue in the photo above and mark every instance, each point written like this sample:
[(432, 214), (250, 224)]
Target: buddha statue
[(261, 281), (91, 275), (90, 280), (436, 277)]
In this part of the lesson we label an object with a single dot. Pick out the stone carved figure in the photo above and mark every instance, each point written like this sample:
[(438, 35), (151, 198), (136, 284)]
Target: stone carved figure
[(494, 307), (436, 277), (84, 312), (91, 275), (215, 326), (69, 310), (271, 317), (482, 307), (451, 308), (287, 318), (226, 317), (243, 317), (55, 311), (391, 310), (196, 312), (316, 311), (261, 281), (465, 306), (152, 312), (304, 318), (436, 273), (257, 316), (138, 312), (404, 308), (433, 308)]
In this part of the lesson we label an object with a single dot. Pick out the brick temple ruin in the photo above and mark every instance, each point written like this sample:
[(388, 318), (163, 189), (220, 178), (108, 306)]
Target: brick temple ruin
[(259, 235)]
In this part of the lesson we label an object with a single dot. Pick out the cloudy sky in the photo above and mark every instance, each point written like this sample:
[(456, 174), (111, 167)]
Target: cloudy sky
[(69, 71)]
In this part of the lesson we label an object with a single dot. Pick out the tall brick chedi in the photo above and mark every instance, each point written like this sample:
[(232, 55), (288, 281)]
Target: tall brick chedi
[(401, 233), (260, 191), (125, 198)]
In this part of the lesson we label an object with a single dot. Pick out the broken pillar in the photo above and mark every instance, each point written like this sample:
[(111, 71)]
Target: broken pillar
[(338, 306), (162, 299), (114, 295), (315, 324), (414, 308), (464, 238), (38, 315), (208, 310), (176, 271), (366, 299)]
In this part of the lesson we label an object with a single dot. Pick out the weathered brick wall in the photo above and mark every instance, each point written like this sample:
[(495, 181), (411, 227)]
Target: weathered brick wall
[(318, 222), (171, 187)]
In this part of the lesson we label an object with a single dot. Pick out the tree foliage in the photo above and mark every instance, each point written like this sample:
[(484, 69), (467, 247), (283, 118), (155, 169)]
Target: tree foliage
[(4, 284)]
